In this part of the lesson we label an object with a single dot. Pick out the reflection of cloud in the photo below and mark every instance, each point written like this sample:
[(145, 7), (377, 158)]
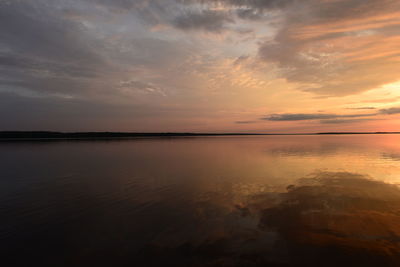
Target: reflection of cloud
[(301, 151), (392, 156), (325, 219), (341, 217)]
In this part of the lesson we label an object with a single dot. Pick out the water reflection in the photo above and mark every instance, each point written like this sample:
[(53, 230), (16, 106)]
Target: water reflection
[(392, 156), (338, 218), (326, 219), (202, 202)]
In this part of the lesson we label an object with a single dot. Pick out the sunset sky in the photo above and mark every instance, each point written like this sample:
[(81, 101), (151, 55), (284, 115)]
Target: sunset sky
[(200, 65)]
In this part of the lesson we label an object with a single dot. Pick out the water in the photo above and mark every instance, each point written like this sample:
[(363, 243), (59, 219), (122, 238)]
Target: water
[(204, 201)]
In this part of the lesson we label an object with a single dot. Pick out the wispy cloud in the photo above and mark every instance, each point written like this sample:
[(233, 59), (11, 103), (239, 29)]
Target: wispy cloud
[(310, 116), (362, 108), (390, 111), (245, 122), (344, 121), (327, 116), (208, 20)]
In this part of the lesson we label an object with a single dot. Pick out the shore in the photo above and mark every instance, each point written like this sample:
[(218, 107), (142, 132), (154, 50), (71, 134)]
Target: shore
[(49, 135)]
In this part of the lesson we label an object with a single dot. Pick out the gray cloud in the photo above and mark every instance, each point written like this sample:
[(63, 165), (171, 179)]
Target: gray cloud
[(253, 4), (64, 114), (328, 117), (120, 4), (310, 116), (249, 14), (298, 117), (33, 29), (53, 47), (43, 52), (43, 113), (390, 111), (208, 20), (147, 88), (66, 62)]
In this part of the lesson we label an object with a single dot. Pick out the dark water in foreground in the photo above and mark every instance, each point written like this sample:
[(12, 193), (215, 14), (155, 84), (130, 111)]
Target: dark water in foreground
[(213, 201)]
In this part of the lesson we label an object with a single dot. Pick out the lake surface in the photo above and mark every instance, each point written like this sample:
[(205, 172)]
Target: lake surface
[(206, 201)]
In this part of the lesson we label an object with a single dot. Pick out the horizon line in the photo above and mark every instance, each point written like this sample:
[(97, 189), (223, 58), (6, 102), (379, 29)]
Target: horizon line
[(99, 135)]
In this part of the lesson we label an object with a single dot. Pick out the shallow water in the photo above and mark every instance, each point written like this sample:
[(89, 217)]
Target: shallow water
[(203, 201)]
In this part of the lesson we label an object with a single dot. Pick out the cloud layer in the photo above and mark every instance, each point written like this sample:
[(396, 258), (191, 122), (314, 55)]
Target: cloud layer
[(197, 64), (330, 117)]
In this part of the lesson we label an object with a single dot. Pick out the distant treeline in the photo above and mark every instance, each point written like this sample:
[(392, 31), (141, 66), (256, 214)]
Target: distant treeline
[(48, 135), (99, 135), (360, 133)]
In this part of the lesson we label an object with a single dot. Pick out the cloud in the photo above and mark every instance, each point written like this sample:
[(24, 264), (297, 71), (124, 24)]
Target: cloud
[(310, 116), (245, 122), (153, 53), (298, 117), (250, 14), (208, 20), (58, 57), (329, 117), (379, 100), (325, 46), (390, 111), (47, 51), (249, 4), (343, 121), (362, 108), (147, 88), (33, 30), (43, 52)]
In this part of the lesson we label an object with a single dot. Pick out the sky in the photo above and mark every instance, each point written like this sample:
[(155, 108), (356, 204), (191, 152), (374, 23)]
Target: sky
[(270, 66)]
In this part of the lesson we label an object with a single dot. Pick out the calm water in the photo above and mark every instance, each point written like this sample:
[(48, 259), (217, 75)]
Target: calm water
[(212, 201)]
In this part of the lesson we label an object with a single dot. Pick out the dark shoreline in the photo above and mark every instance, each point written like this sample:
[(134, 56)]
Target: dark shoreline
[(54, 136)]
